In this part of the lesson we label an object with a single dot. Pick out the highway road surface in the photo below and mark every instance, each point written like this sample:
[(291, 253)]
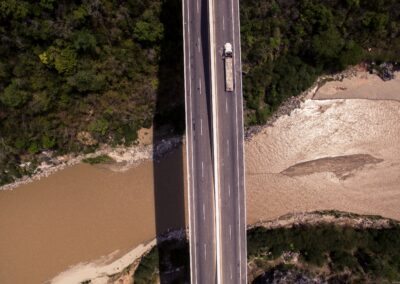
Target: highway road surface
[(199, 142), (229, 123)]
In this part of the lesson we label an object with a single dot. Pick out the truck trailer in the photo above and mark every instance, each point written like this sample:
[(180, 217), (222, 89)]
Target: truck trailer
[(228, 58)]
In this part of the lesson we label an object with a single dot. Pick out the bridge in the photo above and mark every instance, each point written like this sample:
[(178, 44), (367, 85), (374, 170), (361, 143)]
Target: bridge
[(214, 141)]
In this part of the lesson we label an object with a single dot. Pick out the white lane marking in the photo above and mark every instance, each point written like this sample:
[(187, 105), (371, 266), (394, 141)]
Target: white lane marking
[(201, 126), (229, 190), (200, 85), (204, 212), (230, 232), (237, 148), (231, 274), (202, 169), (197, 6), (198, 44), (223, 23), (192, 229), (242, 236), (227, 146), (226, 105), (211, 21), (205, 251)]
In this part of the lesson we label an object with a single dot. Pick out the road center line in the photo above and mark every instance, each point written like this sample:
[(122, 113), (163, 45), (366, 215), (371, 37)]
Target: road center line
[(230, 232), (213, 76), (227, 146), (201, 126), (229, 190), (205, 251), (226, 105), (202, 169), (198, 44), (204, 212)]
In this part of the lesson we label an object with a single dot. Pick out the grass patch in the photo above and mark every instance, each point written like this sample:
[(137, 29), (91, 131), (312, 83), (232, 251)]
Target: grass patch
[(101, 159), (147, 271)]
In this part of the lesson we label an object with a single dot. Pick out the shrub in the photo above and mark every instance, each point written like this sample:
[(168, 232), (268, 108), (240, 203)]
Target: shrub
[(101, 159)]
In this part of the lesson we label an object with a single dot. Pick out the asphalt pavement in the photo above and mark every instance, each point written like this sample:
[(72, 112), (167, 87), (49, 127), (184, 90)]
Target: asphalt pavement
[(199, 142), (214, 141), (232, 213)]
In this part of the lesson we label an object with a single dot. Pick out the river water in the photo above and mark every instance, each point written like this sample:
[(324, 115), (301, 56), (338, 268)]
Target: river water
[(77, 215)]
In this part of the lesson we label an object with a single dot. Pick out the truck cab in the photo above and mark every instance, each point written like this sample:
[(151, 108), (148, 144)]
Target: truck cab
[(228, 50)]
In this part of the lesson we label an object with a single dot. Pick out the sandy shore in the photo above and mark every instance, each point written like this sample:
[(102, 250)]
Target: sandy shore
[(362, 85), (336, 153), (98, 272)]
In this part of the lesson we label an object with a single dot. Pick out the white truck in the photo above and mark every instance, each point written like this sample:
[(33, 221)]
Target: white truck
[(228, 67)]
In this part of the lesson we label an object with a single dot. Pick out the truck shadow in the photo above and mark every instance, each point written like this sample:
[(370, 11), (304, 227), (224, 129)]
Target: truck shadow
[(168, 171)]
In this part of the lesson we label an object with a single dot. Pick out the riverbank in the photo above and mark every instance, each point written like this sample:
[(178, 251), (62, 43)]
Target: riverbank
[(123, 157), (84, 212), (324, 247), (309, 225), (354, 83)]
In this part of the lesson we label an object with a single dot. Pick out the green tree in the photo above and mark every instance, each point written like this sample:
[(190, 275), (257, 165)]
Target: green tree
[(87, 80), (149, 29), (99, 126), (48, 142), (14, 95), (84, 41), (13, 8), (327, 46)]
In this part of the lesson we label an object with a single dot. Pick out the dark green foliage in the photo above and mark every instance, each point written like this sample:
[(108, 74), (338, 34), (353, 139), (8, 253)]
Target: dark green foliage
[(352, 255), (287, 44), (342, 259), (96, 66), (173, 265), (147, 271), (369, 254), (101, 159)]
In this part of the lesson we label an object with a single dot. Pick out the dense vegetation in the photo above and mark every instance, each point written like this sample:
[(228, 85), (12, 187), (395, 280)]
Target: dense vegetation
[(171, 267), (77, 73), (101, 159), (335, 254), (351, 255), (286, 44)]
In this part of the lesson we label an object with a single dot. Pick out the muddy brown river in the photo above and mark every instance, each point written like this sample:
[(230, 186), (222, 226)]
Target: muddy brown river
[(79, 214)]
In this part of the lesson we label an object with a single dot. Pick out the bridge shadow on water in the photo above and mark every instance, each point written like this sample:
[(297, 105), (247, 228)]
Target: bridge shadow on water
[(169, 120)]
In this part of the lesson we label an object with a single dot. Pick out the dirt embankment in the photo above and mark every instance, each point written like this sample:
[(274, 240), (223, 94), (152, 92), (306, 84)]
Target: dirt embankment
[(327, 217), (361, 85)]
